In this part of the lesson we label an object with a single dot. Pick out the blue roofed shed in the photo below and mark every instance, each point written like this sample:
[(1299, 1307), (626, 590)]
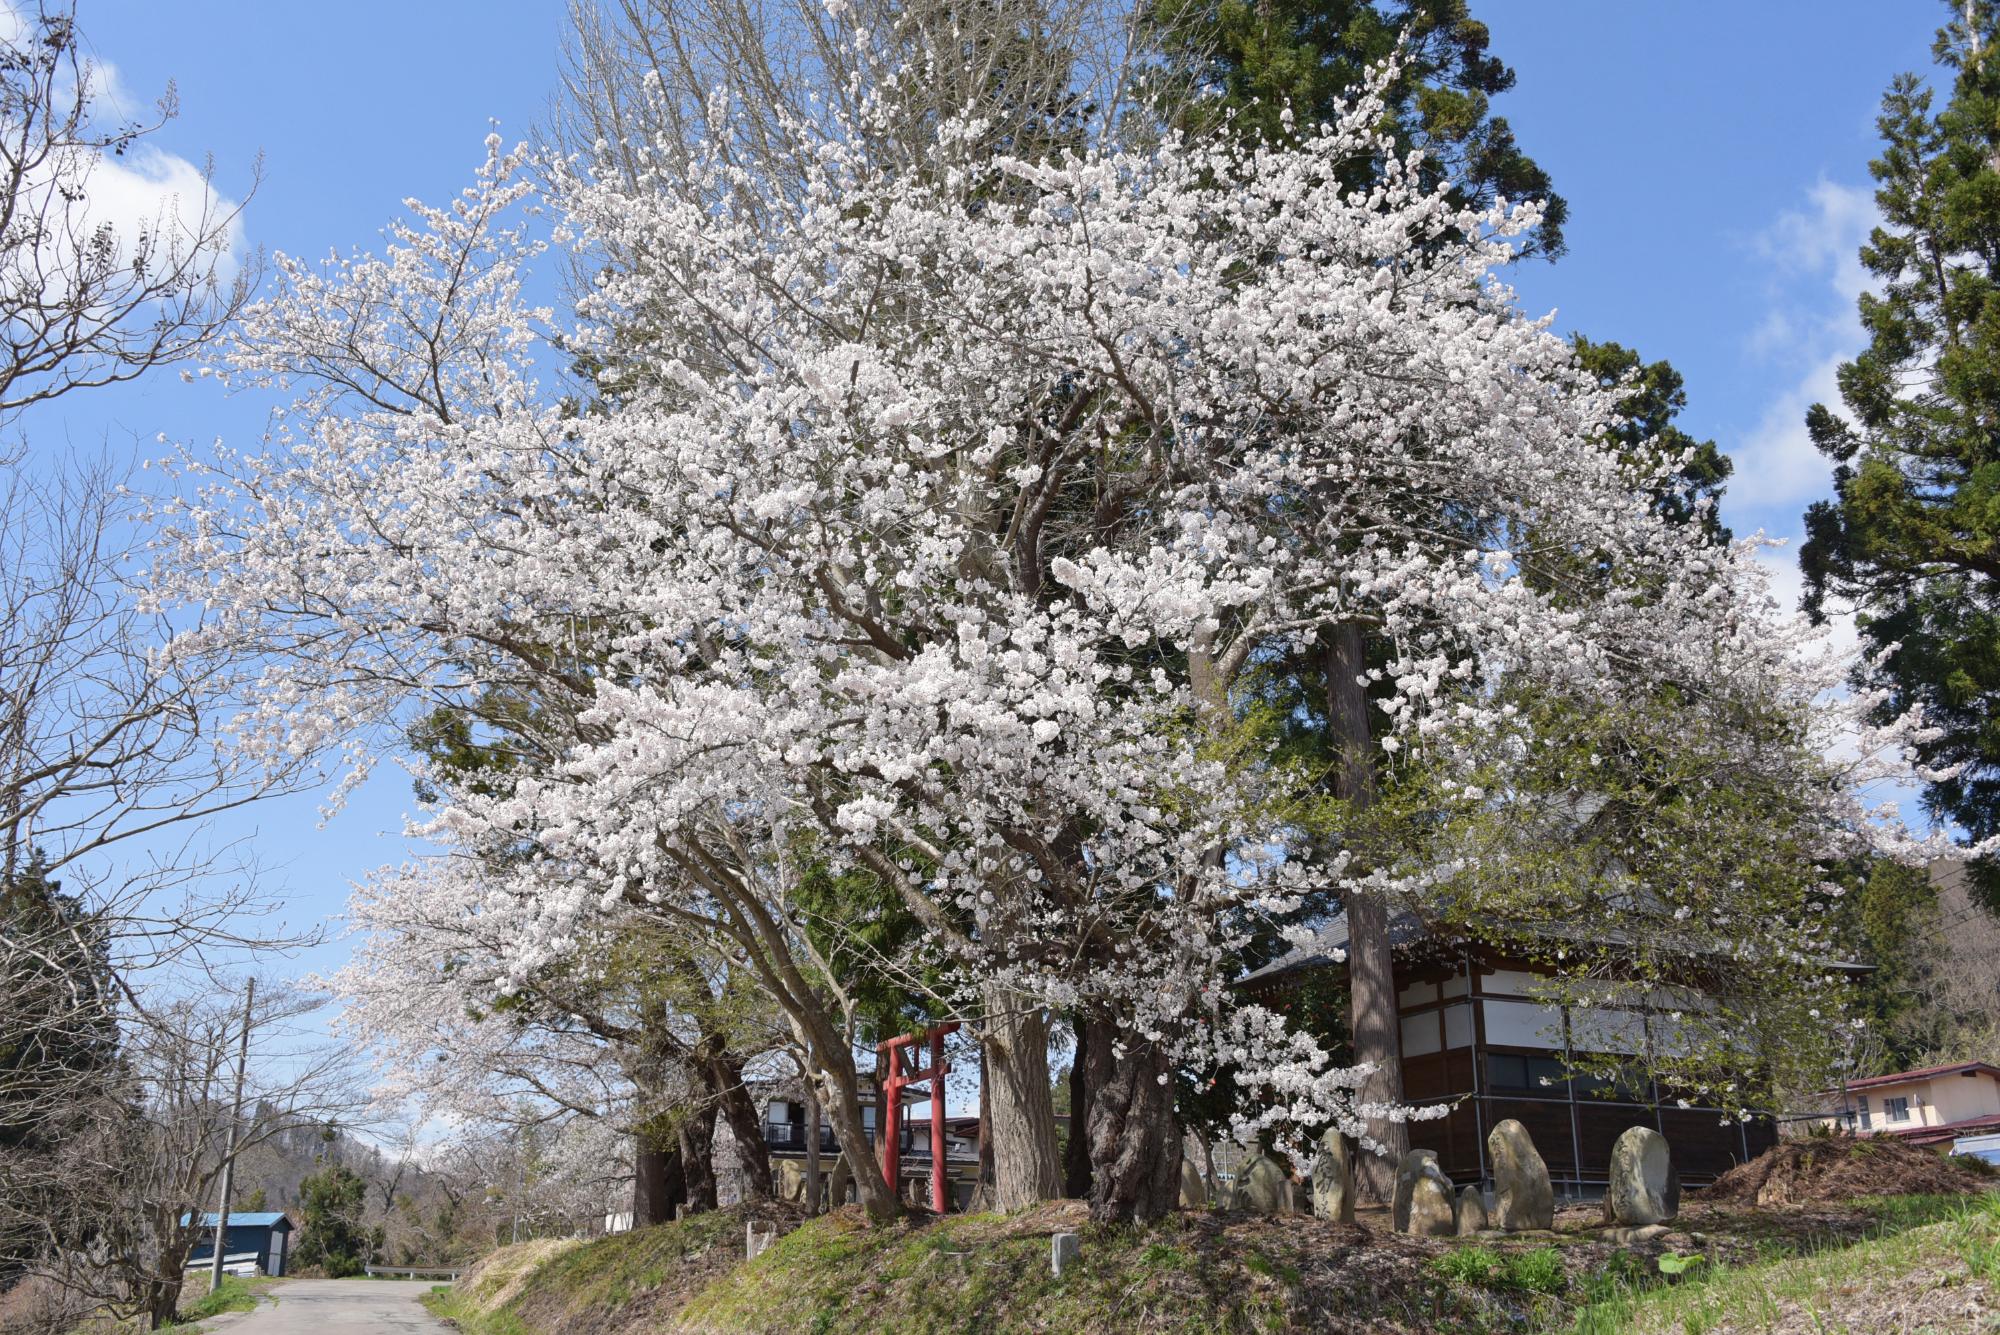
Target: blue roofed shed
[(266, 1236)]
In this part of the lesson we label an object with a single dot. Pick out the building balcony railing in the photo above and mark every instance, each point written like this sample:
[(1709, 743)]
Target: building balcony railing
[(792, 1136)]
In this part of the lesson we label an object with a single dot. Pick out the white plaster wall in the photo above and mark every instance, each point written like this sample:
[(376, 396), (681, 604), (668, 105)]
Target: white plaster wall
[(1958, 1097)]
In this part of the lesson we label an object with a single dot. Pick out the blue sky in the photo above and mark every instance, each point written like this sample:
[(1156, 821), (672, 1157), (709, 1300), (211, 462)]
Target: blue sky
[(1714, 156)]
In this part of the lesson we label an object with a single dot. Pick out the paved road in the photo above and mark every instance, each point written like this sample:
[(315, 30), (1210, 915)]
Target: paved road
[(312, 1306)]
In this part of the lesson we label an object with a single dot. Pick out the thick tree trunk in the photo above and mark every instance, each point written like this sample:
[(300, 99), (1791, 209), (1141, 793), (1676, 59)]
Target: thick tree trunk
[(746, 1128), (658, 1184), (697, 1137), (857, 1152), (982, 1191), (1370, 968), (163, 1286), (1133, 1133), (815, 1179), (1076, 1150), (163, 1301), (1026, 1167)]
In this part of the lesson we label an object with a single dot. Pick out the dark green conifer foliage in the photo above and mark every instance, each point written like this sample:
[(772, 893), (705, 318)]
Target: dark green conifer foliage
[(58, 1045), (1649, 434), (58, 1024), (1912, 534), (1256, 60), (331, 1236)]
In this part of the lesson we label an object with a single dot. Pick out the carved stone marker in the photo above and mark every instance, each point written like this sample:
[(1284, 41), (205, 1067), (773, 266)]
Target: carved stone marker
[(1194, 1189), (1333, 1179), (1064, 1248), (1423, 1201), (1265, 1188), (1643, 1188), (789, 1180), (1522, 1196), (1471, 1211)]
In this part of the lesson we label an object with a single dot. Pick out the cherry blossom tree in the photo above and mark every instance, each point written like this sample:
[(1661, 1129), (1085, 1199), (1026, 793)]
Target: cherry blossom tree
[(632, 1029), (930, 524)]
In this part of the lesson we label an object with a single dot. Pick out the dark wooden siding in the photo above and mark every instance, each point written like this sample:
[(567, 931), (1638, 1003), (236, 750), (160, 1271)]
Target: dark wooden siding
[(1572, 1127)]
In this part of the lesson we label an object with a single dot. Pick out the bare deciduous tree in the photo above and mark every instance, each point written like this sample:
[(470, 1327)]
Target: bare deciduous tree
[(115, 909), (83, 302), (116, 1202)]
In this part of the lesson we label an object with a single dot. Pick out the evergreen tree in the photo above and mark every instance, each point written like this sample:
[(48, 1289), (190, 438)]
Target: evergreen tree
[(1912, 534), (1249, 63), (332, 1237), (58, 1046), (57, 1024), (1650, 436)]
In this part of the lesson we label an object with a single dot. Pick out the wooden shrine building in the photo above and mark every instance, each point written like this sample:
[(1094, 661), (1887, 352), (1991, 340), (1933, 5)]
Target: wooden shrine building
[(1475, 1037)]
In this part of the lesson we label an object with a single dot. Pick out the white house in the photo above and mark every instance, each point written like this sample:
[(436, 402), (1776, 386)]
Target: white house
[(1932, 1106)]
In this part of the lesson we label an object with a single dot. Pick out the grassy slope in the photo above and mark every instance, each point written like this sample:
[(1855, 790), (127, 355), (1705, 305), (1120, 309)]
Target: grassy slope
[(236, 1295), (991, 1273), (1929, 1274), (1211, 1273), (977, 1272), (626, 1282)]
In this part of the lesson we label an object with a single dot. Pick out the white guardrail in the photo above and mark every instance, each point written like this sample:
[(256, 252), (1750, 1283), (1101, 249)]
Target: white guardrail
[(415, 1271)]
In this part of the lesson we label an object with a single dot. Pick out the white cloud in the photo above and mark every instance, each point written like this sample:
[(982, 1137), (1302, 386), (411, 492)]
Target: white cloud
[(1814, 267), (1787, 584), (1824, 239), (148, 189), (146, 192), (1777, 465)]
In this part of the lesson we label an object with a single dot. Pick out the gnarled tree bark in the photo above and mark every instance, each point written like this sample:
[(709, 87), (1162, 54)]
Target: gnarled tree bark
[(724, 1075), (697, 1146), (658, 1184), (1133, 1133), (1076, 1149)]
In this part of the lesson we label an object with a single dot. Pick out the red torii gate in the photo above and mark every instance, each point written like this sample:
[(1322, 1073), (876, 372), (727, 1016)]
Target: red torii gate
[(893, 1058)]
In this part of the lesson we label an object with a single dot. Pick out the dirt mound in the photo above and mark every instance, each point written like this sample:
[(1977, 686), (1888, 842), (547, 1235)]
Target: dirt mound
[(1825, 1169)]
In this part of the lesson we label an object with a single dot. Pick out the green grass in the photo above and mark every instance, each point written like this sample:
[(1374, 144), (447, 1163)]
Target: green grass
[(1537, 1271), (1197, 1273), (441, 1303), (519, 1289), (973, 1272), (1907, 1233), (235, 1295)]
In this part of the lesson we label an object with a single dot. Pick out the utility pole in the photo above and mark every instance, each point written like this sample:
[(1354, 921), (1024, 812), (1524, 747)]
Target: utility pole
[(229, 1151)]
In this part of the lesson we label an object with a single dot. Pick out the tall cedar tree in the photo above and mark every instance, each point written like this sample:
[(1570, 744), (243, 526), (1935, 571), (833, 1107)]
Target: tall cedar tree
[(332, 1237), (1649, 436), (1912, 535)]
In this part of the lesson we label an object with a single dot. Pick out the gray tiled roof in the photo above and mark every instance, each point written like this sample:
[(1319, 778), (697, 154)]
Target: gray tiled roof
[(1329, 939)]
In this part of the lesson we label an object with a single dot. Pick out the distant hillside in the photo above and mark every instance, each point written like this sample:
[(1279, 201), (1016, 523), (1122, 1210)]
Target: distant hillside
[(415, 1211)]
